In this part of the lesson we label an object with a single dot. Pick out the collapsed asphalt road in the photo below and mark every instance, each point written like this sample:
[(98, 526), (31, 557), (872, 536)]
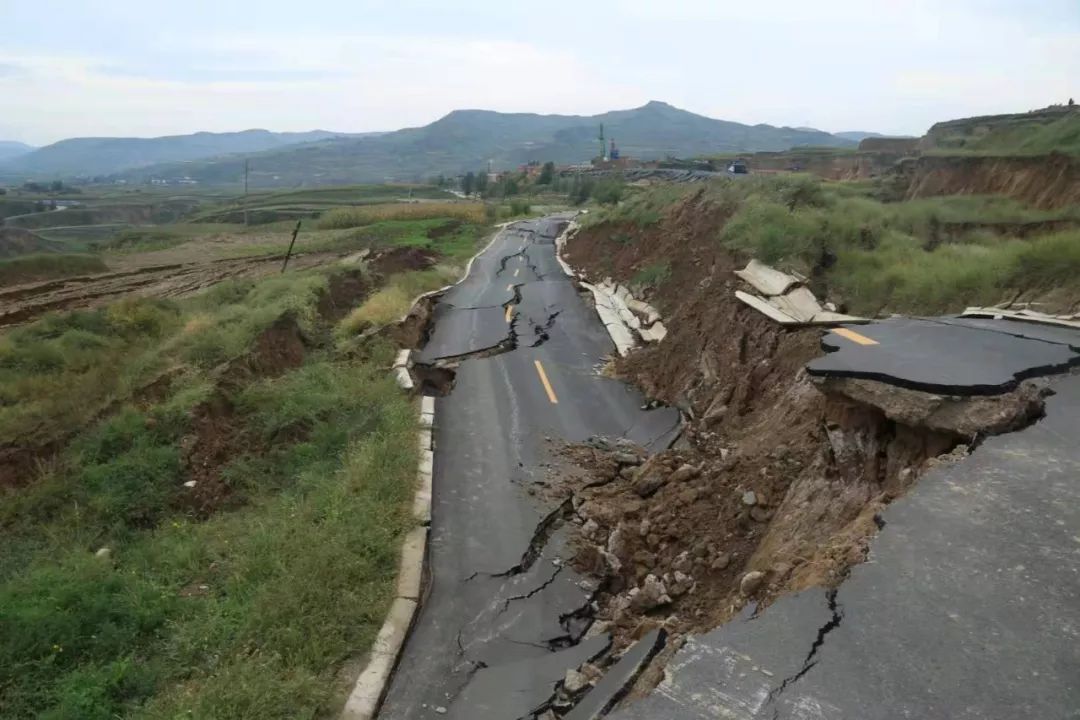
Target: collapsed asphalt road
[(968, 605), (505, 618)]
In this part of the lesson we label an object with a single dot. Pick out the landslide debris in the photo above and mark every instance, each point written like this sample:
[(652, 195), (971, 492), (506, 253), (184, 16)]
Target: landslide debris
[(778, 481)]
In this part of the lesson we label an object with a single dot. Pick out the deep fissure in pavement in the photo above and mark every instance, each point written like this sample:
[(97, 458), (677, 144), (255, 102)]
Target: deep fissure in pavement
[(837, 615)]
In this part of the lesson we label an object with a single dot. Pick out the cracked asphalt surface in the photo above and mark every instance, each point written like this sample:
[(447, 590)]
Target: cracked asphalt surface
[(969, 603), (505, 618)]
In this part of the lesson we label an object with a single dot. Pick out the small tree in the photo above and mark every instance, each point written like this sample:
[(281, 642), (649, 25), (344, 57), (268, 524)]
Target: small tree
[(547, 173), (1071, 102), (467, 183)]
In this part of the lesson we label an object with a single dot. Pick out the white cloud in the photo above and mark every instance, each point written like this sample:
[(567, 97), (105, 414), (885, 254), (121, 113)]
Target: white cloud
[(887, 65), (368, 84)]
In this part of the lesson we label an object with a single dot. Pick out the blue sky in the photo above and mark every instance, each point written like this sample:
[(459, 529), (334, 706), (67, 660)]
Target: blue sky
[(118, 67)]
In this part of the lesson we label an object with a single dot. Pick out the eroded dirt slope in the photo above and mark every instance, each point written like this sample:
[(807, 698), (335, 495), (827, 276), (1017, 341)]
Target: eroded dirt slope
[(778, 480)]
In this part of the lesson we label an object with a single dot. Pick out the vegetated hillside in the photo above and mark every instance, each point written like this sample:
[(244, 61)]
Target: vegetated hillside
[(1052, 129), (924, 256), (89, 157), (12, 149), (468, 139), (857, 135)]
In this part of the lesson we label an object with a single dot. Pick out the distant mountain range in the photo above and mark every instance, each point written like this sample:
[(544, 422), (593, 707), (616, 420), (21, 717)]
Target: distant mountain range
[(463, 140), (10, 149), (88, 157)]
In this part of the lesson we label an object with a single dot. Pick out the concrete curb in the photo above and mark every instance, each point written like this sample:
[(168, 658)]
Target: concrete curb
[(367, 694), (617, 308)]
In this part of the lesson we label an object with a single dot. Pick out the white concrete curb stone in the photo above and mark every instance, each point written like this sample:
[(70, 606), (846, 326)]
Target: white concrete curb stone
[(618, 310), (367, 694)]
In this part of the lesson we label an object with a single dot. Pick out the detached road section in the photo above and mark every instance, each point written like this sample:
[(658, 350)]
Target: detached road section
[(968, 606), (504, 617)]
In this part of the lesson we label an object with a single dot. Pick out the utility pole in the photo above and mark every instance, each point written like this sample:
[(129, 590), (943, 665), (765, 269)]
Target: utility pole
[(288, 253), (246, 195)]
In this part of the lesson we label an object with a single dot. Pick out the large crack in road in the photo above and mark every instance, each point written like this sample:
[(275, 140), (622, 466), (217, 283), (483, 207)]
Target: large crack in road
[(505, 617)]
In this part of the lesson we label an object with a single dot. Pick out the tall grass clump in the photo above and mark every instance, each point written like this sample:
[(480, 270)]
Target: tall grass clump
[(394, 300)]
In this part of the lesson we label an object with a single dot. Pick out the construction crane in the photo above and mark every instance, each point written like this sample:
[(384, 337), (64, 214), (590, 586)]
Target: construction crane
[(603, 147)]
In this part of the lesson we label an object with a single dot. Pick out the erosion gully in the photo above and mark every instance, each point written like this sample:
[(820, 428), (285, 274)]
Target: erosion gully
[(517, 352)]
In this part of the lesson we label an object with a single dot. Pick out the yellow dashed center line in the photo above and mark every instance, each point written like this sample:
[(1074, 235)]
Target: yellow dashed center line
[(854, 336), (509, 312), (544, 381), (516, 271), (510, 287)]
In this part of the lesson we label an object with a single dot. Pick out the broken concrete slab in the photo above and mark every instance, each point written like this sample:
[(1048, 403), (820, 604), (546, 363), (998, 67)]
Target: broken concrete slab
[(1069, 321), (618, 679), (403, 378), (520, 689), (765, 308), (786, 300), (940, 358), (765, 279)]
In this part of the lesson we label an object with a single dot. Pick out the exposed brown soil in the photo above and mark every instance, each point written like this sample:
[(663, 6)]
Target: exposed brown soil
[(403, 259), (1047, 181), (777, 482)]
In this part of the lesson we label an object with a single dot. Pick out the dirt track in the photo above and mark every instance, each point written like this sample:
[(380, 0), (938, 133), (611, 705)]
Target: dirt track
[(23, 303)]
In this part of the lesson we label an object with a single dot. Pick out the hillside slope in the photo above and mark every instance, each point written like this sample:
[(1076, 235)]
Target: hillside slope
[(103, 156), (468, 139), (11, 149), (1052, 129)]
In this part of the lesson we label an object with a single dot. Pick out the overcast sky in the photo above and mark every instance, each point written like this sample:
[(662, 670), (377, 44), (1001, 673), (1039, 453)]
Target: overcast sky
[(127, 67)]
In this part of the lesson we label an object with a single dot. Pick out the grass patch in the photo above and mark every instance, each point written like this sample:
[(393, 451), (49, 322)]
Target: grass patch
[(652, 275), (352, 217), (59, 373), (394, 300), (248, 614), (143, 240), (28, 268)]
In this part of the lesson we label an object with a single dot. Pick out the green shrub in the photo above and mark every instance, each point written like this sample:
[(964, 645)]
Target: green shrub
[(652, 275)]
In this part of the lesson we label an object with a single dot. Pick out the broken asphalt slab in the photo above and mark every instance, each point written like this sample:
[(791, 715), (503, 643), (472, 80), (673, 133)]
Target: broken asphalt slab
[(618, 678), (941, 358), (520, 689), (967, 606)]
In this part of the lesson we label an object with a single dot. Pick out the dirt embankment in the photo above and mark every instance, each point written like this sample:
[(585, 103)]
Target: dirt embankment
[(1044, 182), (215, 436), (831, 166), (777, 482)]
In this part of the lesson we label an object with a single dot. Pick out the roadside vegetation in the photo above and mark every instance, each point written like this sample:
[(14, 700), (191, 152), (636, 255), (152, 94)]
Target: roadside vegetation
[(202, 499), (241, 596), (922, 256)]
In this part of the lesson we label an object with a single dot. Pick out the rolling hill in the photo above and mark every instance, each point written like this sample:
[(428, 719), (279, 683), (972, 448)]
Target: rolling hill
[(469, 139), (88, 157), (11, 149)]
